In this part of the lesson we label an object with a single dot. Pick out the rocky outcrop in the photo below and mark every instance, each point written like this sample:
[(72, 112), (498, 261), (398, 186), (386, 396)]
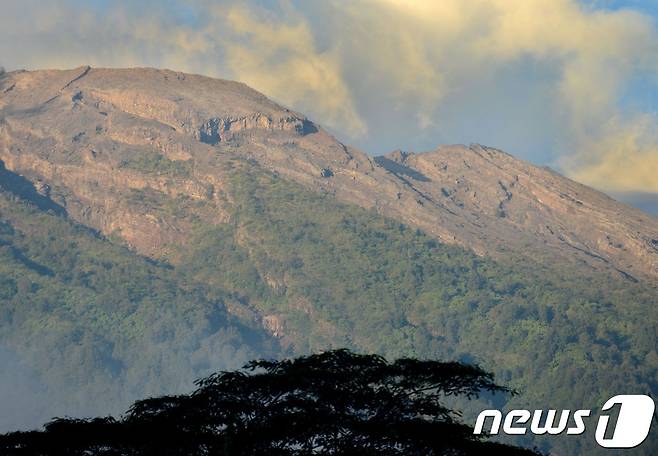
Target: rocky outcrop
[(140, 153), (225, 129)]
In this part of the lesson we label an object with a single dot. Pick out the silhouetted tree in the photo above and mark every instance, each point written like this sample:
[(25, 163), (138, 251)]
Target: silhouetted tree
[(335, 403)]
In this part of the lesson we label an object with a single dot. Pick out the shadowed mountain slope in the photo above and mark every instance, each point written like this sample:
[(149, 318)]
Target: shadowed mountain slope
[(87, 326)]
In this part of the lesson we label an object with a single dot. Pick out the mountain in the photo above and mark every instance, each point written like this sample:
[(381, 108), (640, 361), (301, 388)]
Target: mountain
[(261, 234), (120, 129)]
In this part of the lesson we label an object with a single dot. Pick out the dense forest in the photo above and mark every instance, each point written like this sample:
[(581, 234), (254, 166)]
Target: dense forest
[(89, 318), (343, 276), (87, 326)]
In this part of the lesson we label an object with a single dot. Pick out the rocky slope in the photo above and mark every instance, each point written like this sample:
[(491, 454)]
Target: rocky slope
[(97, 141)]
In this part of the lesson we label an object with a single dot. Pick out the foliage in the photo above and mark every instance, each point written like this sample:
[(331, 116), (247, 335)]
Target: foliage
[(337, 275), (95, 317), (156, 163), (333, 403), (94, 320)]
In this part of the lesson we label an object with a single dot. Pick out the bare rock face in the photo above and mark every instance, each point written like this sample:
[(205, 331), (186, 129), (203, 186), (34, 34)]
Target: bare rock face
[(104, 144)]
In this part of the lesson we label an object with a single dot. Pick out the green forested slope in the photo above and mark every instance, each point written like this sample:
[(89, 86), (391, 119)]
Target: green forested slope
[(342, 276), (93, 326), (86, 314)]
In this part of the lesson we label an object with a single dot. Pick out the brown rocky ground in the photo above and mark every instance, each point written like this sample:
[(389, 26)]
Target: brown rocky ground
[(106, 144)]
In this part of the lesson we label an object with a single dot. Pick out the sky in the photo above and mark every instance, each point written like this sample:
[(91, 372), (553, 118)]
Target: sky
[(569, 84)]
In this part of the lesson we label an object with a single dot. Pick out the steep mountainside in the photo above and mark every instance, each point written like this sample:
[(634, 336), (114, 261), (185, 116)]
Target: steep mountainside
[(87, 326), (242, 217), (94, 135)]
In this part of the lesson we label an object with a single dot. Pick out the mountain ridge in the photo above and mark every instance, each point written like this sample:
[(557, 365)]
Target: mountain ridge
[(475, 196)]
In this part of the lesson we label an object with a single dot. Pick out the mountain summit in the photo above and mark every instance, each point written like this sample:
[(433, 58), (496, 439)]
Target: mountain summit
[(90, 136)]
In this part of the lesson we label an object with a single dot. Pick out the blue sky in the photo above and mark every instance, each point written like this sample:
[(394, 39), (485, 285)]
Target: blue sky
[(566, 83)]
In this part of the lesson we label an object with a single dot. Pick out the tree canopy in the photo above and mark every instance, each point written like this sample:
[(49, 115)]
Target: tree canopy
[(337, 402)]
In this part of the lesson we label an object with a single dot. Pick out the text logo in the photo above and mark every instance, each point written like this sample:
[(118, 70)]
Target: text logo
[(630, 430)]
